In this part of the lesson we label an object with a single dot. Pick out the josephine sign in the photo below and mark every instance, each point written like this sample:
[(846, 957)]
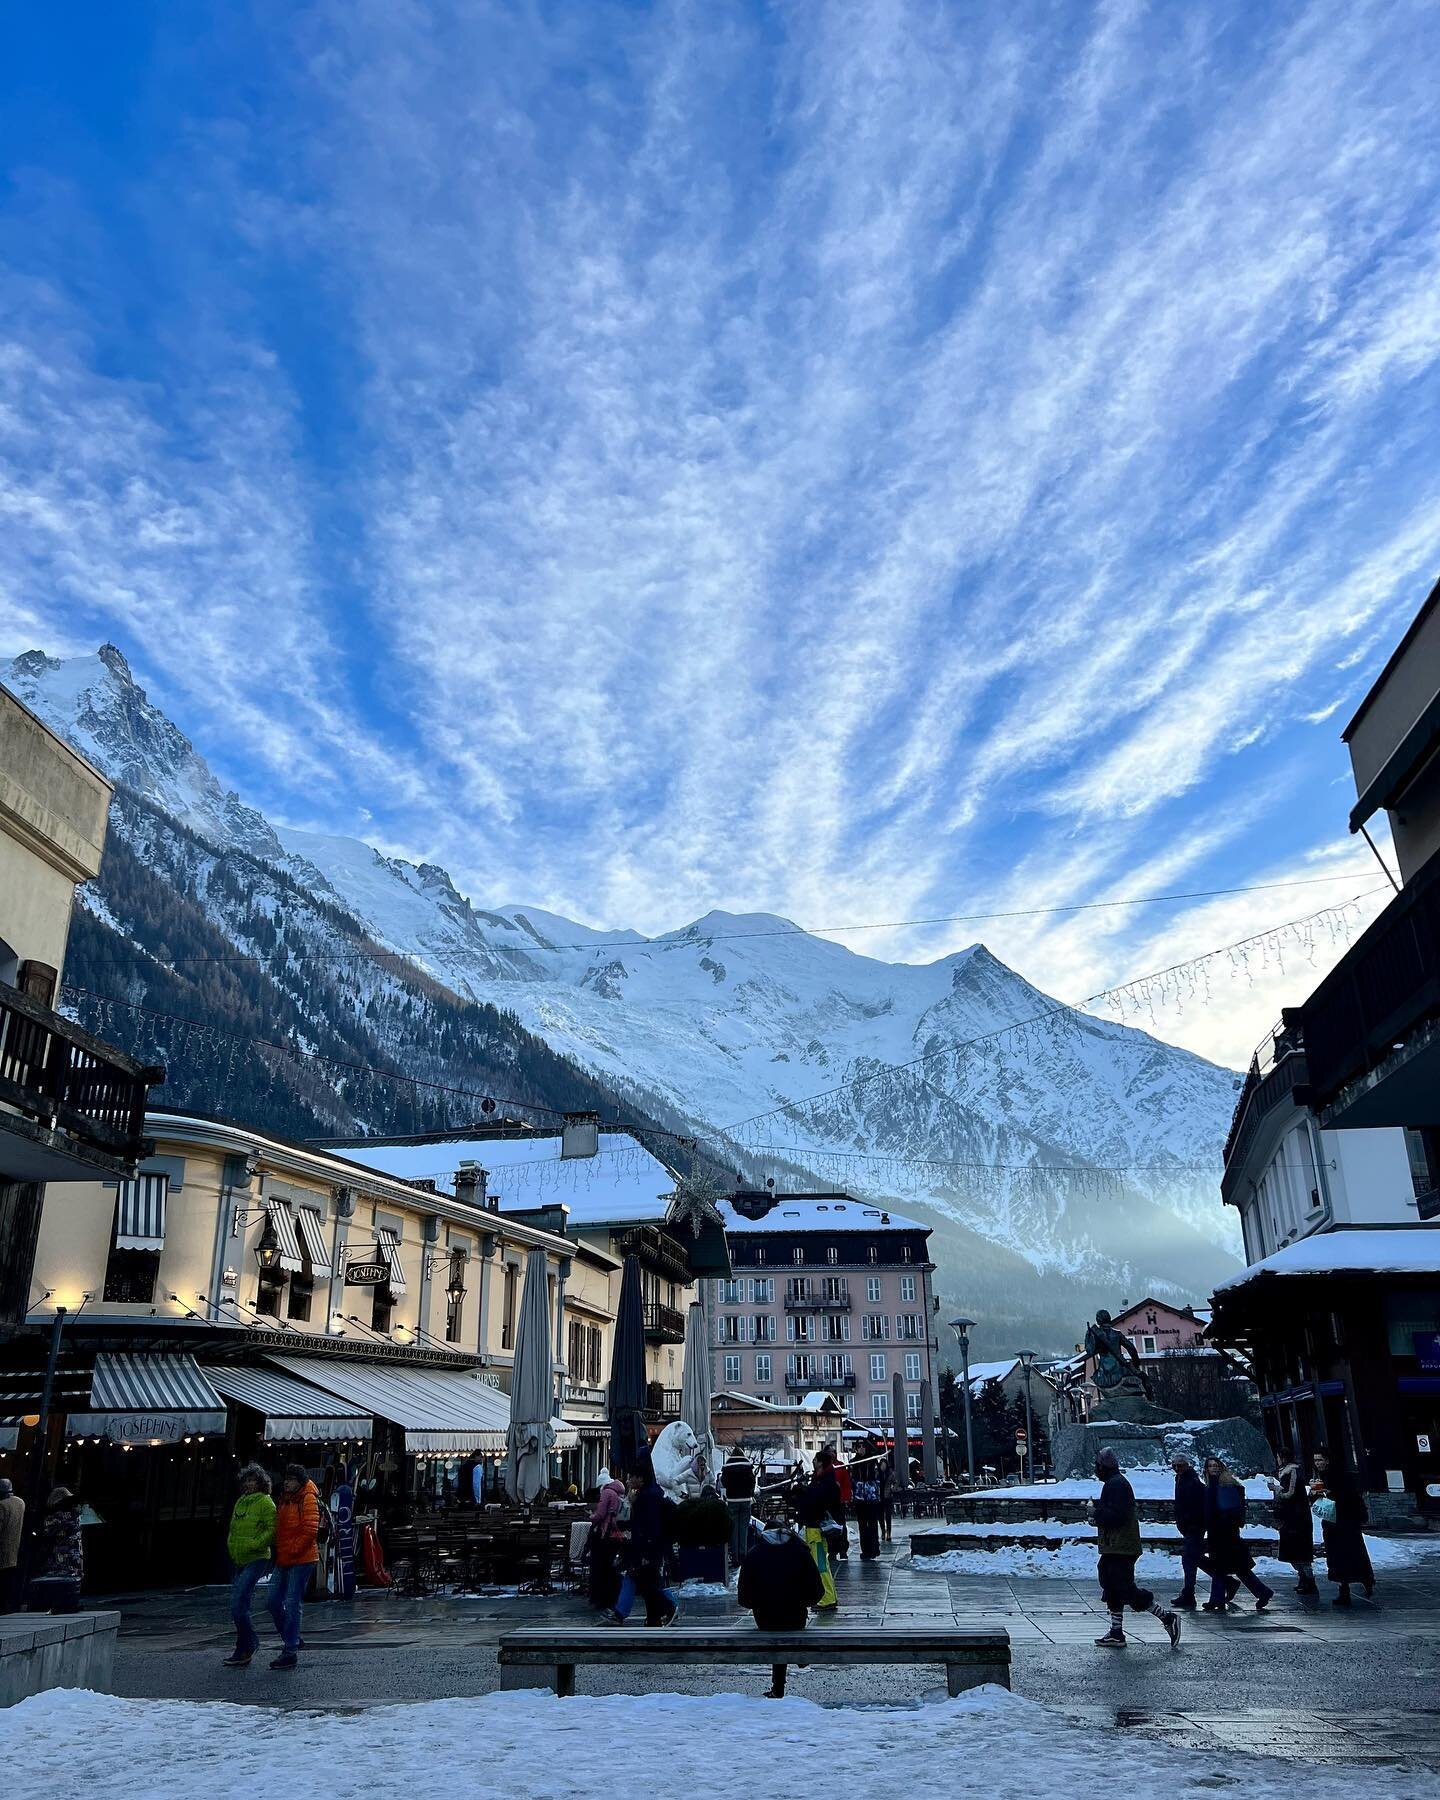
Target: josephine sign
[(143, 1427)]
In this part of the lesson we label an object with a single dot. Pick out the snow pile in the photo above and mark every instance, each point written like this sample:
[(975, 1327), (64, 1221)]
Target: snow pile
[(1075, 1560), (1147, 1484), (987, 1742)]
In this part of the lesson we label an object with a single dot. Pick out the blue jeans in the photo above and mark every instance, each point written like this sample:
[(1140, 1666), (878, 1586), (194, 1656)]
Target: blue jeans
[(648, 1585), (242, 1589), (287, 1590), (1192, 1548)]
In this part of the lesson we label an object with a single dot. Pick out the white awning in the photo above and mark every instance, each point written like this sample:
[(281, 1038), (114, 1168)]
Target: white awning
[(448, 1410), (140, 1213), (284, 1222), (312, 1236), (148, 1397), (294, 1411), (390, 1250)]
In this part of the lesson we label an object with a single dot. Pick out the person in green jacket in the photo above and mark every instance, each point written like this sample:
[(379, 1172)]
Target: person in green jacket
[(1118, 1541), (250, 1543)]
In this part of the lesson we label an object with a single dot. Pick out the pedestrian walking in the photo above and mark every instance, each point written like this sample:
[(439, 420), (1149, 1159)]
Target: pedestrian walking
[(646, 1551), (1290, 1509), (779, 1583), (1228, 1563), (62, 1556), (840, 1547), (885, 1477), (606, 1542), (250, 1542), (866, 1489), (1190, 1523), (1118, 1542), (297, 1550), (1340, 1507), (12, 1530), (737, 1482), (819, 1509)]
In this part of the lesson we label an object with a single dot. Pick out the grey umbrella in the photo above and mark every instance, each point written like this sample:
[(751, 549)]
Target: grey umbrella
[(695, 1383), (531, 1434), (626, 1391), (902, 1432), (927, 1435)]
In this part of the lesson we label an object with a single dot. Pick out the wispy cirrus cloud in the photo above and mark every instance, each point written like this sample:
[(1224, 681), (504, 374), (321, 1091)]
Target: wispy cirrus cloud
[(861, 461)]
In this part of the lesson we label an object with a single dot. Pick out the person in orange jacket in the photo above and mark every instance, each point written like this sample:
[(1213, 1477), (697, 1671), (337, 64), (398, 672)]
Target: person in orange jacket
[(297, 1550)]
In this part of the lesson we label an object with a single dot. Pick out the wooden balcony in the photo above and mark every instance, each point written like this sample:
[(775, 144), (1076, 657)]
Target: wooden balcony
[(662, 1404), (664, 1324), (74, 1104)]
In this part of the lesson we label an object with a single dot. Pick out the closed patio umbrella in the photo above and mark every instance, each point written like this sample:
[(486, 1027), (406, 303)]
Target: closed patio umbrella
[(695, 1384), (626, 1389), (902, 1431), (927, 1435), (531, 1434)]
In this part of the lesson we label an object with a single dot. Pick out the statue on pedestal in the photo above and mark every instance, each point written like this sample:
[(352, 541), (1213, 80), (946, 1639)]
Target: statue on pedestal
[(1118, 1371)]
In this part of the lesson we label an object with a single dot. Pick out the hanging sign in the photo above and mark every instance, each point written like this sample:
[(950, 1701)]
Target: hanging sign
[(367, 1270), (1427, 1350)]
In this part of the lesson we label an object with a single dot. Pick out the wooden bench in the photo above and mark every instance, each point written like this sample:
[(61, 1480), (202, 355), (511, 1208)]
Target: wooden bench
[(544, 1656)]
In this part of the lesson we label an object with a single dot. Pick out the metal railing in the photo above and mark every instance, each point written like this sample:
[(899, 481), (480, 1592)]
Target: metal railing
[(59, 1075), (667, 1323), (662, 1404), (818, 1302), (802, 1384)]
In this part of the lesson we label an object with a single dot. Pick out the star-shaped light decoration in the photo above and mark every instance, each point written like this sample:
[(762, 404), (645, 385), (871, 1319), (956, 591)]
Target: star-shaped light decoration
[(696, 1204)]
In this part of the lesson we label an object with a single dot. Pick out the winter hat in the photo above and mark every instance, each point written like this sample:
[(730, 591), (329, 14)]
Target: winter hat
[(1107, 1462)]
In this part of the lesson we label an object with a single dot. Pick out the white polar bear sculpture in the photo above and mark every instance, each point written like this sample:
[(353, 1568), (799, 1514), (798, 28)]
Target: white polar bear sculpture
[(677, 1461)]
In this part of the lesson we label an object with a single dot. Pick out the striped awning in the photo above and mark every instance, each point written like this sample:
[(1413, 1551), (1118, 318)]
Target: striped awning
[(390, 1247), (294, 1410), (148, 1397), (312, 1237), (140, 1213), (284, 1222), (445, 1410)]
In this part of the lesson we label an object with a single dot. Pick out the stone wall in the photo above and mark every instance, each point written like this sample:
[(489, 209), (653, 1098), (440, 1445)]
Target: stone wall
[(65, 1650)]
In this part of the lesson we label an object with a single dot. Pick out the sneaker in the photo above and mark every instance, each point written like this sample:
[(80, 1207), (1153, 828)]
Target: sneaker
[(1261, 1604), (609, 1616), (1171, 1622), (1184, 1603), (1112, 1640), (236, 1661), (287, 1659)]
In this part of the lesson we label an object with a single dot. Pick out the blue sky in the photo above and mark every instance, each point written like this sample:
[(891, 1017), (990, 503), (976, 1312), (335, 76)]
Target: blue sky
[(859, 461)]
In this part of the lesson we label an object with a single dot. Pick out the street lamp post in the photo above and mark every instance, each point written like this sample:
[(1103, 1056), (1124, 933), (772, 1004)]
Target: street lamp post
[(961, 1328), (1027, 1362)]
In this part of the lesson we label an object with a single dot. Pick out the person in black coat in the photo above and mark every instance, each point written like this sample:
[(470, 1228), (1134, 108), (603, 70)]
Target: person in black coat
[(649, 1534), (1190, 1523), (1347, 1560), (1227, 1561), (1290, 1509), (779, 1583)]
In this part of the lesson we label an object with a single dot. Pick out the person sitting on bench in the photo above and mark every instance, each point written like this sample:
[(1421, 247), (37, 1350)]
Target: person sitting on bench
[(779, 1583)]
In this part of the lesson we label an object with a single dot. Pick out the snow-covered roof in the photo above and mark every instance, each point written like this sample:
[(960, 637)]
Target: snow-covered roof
[(980, 1373), (840, 1213), (623, 1183), (1401, 1250)]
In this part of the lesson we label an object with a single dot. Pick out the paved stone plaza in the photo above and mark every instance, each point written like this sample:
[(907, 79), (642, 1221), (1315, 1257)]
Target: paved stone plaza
[(1302, 1682)]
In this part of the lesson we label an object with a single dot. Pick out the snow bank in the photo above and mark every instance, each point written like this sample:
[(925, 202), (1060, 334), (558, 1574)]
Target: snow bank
[(1075, 1559), (1148, 1484), (988, 1742)]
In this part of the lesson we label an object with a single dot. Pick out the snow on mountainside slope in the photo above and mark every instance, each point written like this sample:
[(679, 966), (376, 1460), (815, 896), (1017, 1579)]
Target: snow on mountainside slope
[(736, 1016)]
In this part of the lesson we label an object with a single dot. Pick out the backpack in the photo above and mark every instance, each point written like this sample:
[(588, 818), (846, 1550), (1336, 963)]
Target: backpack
[(867, 1493)]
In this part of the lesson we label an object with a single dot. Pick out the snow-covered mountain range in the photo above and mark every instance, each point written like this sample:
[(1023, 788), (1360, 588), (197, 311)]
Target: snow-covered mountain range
[(1044, 1145)]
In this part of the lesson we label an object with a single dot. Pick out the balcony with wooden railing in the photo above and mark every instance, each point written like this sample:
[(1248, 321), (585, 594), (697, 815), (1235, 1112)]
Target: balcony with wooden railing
[(70, 1104), (664, 1324)]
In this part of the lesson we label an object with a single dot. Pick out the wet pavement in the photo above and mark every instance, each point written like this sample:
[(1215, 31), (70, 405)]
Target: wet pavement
[(1302, 1681)]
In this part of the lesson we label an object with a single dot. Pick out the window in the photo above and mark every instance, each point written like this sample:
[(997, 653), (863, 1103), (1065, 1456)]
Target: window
[(798, 1288), (302, 1292), (800, 1329), (768, 1399), (1309, 1181), (907, 1254), (267, 1295), (382, 1308), (872, 1289), (730, 1329), (802, 1368), (575, 1351), (797, 1255), (764, 1328), (879, 1406), (763, 1368), (875, 1326), (912, 1365), (907, 1288), (762, 1293), (130, 1277), (912, 1406), (1147, 1344), (592, 1354), (910, 1325), (835, 1328), (760, 1254), (732, 1370), (832, 1254), (835, 1289), (507, 1314), (732, 1293), (877, 1365), (872, 1253)]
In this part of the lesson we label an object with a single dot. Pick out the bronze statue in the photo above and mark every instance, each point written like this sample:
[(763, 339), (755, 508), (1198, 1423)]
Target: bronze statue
[(1119, 1374)]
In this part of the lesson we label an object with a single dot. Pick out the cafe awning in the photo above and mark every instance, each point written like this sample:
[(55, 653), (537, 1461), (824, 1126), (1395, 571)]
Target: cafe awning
[(449, 1411), (390, 1250), (284, 1222), (313, 1238), (294, 1411), (148, 1397), (140, 1220)]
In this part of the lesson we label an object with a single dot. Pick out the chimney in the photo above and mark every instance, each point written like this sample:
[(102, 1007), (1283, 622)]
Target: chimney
[(470, 1184), (581, 1135)]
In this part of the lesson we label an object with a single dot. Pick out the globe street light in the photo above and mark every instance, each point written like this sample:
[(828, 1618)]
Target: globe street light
[(1027, 1362), (961, 1328)]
